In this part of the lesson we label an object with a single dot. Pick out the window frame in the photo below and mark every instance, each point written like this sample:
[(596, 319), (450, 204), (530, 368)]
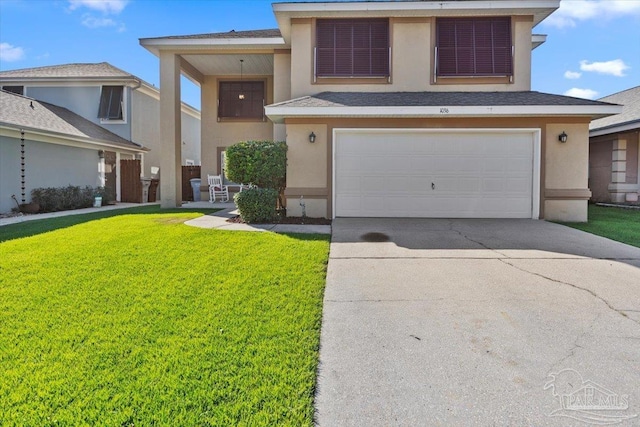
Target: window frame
[(354, 53), (123, 106), (221, 99), (505, 68)]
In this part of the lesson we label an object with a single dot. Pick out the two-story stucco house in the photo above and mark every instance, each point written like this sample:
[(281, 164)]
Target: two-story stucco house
[(401, 109), (114, 99)]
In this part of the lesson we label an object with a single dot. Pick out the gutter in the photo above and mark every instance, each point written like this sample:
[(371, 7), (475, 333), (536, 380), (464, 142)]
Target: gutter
[(14, 128)]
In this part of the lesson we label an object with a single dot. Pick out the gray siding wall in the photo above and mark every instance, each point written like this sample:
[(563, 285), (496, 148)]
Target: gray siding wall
[(47, 165), (84, 101)]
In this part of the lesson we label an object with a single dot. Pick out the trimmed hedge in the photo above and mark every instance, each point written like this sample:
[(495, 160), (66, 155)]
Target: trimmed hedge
[(261, 163), (257, 204), (67, 198)]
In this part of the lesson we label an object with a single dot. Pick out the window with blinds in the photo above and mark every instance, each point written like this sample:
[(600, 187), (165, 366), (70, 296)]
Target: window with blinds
[(111, 103), (352, 47), (241, 99), (474, 47)]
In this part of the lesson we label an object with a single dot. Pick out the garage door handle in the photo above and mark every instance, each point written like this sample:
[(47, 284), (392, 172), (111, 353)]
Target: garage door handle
[(433, 186)]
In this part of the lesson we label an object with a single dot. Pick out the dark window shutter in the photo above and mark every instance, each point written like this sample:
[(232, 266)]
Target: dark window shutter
[(474, 46), (18, 90), (230, 104), (352, 47), (111, 103)]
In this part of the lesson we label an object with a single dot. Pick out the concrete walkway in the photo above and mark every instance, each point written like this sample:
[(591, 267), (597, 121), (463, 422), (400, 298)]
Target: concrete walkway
[(22, 218), (462, 323), (215, 220), (218, 220)]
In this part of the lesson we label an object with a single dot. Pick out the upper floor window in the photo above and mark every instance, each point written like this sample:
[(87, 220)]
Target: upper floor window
[(111, 103), (241, 99), (473, 47), (19, 90), (352, 47)]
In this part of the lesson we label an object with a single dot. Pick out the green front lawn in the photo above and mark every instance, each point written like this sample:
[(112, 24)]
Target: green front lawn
[(618, 224), (141, 320)]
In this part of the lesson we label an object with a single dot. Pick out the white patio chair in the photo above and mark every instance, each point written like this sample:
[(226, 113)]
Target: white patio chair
[(217, 189)]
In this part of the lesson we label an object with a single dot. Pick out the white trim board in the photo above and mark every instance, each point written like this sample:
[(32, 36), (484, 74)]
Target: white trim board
[(535, 132), (278, 112)]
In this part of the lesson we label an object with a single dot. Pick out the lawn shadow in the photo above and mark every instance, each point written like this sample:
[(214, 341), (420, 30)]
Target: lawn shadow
[(39, 226)]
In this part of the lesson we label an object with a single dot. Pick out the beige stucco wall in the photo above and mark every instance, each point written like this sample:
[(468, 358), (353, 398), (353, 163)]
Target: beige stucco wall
[(412, 47), (145, 130), (314, 208), (566, 210), (563, 170), (567, 165), (307, 162), (218, 134)]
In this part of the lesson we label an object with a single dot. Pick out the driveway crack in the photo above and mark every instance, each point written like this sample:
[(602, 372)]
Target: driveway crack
[(477, 242), (595, 295), (572, 351)]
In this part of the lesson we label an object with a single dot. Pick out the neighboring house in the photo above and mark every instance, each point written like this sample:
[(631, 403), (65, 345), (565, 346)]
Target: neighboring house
[(614, 162), (114, 99), (44, 145), (393, 109)]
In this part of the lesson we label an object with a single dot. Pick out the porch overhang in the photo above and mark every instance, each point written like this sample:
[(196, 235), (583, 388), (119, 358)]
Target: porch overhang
[(437, 104)]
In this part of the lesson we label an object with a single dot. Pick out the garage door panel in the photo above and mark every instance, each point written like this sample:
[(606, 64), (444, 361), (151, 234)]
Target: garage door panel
[(475, 175)]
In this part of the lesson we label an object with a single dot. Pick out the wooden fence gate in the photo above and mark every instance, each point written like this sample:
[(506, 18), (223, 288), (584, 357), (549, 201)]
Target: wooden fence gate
[(188, 172), (130, 185)]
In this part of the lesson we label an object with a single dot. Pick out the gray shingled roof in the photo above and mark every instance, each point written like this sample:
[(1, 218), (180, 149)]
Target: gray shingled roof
[(630, 100), (80, 70), (233, 34), (22, 112), (434, 99)]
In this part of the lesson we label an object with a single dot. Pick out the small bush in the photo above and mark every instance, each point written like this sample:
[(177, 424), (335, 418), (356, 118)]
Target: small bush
[(257, 204), (64, 198)]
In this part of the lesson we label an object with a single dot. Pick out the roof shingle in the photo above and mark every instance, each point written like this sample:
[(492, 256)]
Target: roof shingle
[(79, 70), (434, 99), (233, 34), (22, 112), (630, 100)]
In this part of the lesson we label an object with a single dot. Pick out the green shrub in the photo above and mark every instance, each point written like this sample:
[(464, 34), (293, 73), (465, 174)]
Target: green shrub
[(63, 198), (257, 204), (261, 163)]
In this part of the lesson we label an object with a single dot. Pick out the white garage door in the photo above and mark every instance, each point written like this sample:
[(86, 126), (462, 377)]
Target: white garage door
[(435, 173)]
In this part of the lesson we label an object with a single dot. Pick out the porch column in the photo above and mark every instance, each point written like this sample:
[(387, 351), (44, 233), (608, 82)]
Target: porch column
[(618, 171), (170, 131)]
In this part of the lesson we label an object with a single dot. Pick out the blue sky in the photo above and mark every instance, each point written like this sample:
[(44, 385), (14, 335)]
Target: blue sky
[(592, 50)]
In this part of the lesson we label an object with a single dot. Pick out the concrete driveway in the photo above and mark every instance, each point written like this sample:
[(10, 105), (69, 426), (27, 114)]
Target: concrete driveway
[(463, 322)]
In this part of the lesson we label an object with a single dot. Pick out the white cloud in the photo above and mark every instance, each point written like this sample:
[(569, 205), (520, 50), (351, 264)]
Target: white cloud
[(91, 21), (104, 6), (10, 53), (581, 93), (572, 11), (572, 75), (617, 67)]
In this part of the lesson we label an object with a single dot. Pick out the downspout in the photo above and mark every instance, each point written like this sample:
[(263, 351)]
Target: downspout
[(22, 163)]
